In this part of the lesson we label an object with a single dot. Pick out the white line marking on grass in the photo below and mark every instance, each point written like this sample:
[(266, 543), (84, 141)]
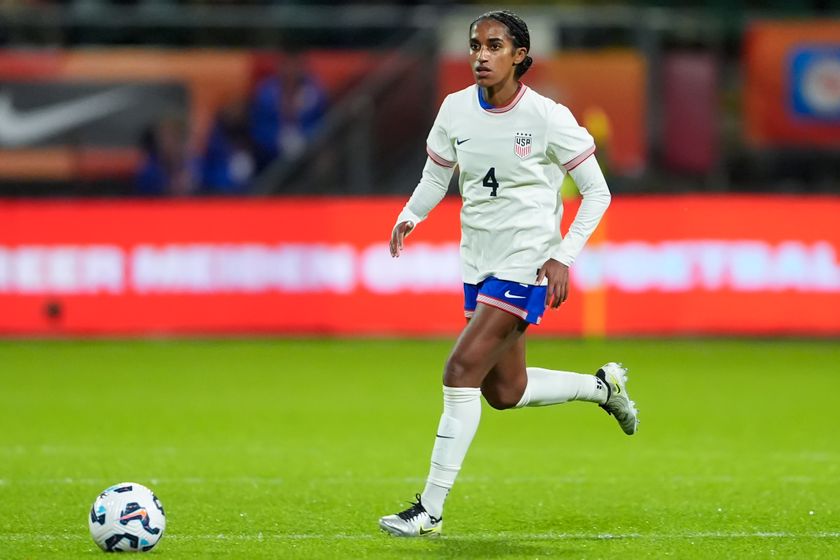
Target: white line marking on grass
[(24, 537), (277, 481), (180, 481), (198, 481)]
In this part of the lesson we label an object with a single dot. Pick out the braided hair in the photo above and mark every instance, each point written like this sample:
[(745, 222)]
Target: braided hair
[(518, 31)]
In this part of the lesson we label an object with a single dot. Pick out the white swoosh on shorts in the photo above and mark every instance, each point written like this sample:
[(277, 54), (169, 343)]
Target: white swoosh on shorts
[(21, 128), (510, 295)]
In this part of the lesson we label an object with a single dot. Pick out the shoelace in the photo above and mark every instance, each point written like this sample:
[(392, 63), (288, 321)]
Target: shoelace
[(412, 512)]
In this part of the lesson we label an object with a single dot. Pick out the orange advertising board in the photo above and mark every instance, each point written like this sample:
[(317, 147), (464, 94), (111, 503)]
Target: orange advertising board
[(658, 265), (792, 85), (81, 114)]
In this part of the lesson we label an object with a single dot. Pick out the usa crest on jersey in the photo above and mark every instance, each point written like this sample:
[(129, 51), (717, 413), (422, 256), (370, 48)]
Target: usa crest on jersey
[(522, 144)]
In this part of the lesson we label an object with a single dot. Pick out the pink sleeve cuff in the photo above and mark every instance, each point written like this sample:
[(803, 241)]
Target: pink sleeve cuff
[(577, 160), (443, 162)]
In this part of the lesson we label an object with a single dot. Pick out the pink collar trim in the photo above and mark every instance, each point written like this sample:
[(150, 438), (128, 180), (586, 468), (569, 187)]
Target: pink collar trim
[(504, 109)]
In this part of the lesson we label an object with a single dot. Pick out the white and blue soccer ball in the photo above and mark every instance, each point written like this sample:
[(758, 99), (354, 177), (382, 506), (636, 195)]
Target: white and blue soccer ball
[(127, 517)]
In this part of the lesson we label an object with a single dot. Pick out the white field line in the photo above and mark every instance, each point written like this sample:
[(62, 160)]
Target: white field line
[(247, 480), (502, 480), (40, 537), (821, 456)]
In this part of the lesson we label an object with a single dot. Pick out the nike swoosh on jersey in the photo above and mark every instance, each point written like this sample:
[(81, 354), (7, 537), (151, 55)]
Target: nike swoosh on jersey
[(510, 295), (18, 128), (459, 142)]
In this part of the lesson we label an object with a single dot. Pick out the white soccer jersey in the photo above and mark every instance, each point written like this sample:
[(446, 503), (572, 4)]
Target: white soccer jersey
[(512, 161)]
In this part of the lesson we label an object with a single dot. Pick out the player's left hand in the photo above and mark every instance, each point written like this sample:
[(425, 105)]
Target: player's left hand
[(558, 282), (398, 235)]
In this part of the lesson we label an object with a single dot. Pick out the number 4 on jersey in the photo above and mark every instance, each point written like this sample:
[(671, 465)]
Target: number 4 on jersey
[(490, 181)]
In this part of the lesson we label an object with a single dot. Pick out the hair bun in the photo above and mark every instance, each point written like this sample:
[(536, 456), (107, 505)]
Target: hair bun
[(525, 64)]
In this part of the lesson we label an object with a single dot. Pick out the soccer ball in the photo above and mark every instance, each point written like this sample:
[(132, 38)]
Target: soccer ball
[(127, 517)]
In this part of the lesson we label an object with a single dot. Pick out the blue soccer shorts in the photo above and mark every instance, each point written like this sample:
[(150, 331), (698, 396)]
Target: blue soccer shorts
[(523, 300)]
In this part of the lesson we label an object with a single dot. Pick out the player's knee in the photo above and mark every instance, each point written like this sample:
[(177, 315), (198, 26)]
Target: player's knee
[(459, 371)]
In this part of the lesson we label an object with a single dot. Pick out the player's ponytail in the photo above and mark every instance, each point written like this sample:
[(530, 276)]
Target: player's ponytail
[(518, 31)]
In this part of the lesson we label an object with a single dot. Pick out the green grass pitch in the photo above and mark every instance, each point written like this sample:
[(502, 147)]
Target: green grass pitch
[(294, 448)]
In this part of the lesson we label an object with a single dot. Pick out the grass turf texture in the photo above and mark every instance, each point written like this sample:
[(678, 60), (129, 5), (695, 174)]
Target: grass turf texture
[(294, 448)]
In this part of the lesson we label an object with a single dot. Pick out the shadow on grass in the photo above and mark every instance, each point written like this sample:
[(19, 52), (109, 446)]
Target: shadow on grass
[(480, 547)]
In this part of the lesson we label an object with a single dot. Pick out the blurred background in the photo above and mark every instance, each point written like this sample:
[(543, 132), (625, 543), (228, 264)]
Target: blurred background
[(209, 167)]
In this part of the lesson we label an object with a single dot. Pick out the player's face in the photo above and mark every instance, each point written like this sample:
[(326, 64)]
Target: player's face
[(492, 55)]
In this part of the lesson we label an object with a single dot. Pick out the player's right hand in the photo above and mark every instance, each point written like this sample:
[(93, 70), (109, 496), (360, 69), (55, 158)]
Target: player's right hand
[(398, 235)]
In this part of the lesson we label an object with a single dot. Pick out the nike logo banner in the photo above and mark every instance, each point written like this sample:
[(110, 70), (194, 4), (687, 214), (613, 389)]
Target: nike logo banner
[(108, 115)]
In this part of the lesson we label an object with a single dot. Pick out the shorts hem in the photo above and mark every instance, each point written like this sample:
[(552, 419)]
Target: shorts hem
[(503, 305)]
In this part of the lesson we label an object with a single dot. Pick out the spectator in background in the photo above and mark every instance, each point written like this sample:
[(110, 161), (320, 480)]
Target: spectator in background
[(286, 110), (229, 163), (167, 168)]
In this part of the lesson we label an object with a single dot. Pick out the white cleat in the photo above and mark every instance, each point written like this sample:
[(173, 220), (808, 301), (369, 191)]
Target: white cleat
[(618, 402), (413, 522)]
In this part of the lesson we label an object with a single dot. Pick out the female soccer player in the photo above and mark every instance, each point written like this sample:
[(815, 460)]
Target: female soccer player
[(512, 146)]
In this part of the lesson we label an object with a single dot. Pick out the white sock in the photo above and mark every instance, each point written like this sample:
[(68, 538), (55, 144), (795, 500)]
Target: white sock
[(458, 423), (546, 387)]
